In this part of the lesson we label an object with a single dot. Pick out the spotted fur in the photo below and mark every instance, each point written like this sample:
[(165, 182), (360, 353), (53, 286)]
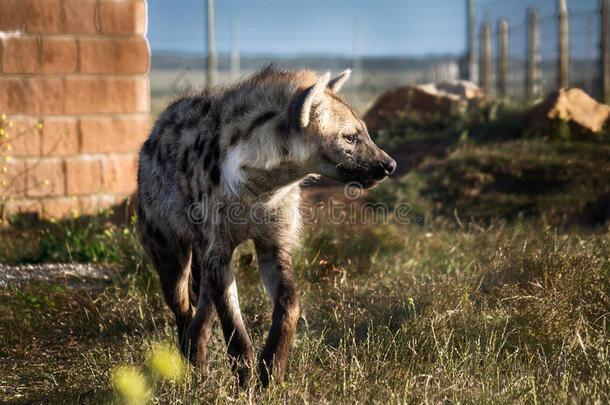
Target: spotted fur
[(224, 166)]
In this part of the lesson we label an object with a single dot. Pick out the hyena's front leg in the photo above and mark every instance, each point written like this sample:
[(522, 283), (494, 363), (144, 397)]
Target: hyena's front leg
[(275, 267), (223, 291)]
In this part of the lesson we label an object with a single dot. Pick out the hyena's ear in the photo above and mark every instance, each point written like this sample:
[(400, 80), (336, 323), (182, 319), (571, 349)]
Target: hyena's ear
[(300, 110), (338, 82)]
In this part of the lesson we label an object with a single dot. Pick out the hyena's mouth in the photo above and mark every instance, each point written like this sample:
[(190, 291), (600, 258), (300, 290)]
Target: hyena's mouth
[(365, 176)]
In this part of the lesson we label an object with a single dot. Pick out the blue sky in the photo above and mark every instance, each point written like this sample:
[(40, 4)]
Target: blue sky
[(288, 27)]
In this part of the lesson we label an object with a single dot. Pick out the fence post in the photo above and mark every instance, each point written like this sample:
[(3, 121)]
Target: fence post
[(471, 35), (605, 55), (485, 59), (564, 45), (235, 63), (532, 79), (503, 59), (211, 79)]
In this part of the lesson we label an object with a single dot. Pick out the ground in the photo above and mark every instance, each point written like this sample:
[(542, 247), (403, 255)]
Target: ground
[(493, 286)]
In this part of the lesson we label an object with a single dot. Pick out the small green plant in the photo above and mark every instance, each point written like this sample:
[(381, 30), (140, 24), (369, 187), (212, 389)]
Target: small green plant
[(12, 178)]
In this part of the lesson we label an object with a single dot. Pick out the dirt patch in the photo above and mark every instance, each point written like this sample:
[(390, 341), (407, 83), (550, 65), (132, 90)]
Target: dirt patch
[(70, 274)]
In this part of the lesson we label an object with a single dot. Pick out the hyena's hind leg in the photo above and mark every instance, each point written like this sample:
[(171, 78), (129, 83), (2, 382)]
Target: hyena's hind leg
[(218, 286), (199, 332), (172, 261), (275, 266)]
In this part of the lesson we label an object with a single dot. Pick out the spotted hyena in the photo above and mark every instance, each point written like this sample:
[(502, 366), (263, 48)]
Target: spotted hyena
[(224, 166)]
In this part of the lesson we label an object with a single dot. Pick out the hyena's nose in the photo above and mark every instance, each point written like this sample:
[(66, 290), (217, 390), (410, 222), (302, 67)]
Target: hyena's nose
[(388, 165)]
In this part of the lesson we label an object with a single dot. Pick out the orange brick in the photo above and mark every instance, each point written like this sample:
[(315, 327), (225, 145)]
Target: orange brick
[(19, 54), (59, 137), (60, 207), (79, 16), (111, 55), (120, 173), (11, 17), (43, 16), (12, 183), (45, 177), (83, 175), (94, 203), (21, 207), (113, 134), (122, 17), (24, 138), (58, 55), (106, 94), (35, 95)]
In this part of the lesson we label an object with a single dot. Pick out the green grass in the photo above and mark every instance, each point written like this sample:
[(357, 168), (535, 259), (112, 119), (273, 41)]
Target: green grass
[(477, 168), (504, 313), (500, 296)]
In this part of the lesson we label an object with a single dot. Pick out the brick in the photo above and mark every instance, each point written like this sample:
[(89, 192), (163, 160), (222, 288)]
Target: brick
[(60, 207), (11, 17), (114, 55), (35, 95), (95, 203), (45, 177), (119, 173), (59, 137), (24, 138), (19, 54), (12, 183), (21, 207), (113, 134), (83, 175), (122, 17), (106, 95), (58, 55), (79, 16), (43, 16)]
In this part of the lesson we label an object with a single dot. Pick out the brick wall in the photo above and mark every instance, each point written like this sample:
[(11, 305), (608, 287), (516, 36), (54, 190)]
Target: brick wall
[(73, 82)]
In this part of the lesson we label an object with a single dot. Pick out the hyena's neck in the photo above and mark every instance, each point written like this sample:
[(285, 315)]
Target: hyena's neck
[(263, 150)]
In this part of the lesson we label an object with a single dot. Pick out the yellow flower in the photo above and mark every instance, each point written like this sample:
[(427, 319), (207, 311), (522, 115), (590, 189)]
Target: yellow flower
[(131, 385), (10, 124), (74, 197), (52, 220), (75, 214), (9, 148), (108, 233), (4, 169), (3, 183), (167, 363), (8, 158), (3, 117), (125, 231), (1, 131), (46, 182), (39, 125)]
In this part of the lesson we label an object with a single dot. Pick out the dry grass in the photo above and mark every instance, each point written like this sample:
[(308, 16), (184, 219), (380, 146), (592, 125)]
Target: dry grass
[(509, 313)]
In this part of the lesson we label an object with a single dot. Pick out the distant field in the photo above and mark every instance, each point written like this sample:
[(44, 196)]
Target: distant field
[(166, 84)]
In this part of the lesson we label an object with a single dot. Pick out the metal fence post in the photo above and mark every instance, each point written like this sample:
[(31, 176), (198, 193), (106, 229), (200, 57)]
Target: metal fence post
[(564, 45), (605, 55), (532, 80), (503, 59), (485, 59)]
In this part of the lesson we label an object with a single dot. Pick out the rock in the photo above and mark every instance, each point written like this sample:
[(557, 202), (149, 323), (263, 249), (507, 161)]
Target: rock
[(572, 106), (424, 101)]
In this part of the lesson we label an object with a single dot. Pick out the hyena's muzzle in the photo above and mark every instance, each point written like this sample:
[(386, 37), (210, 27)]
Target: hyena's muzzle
[(365, 165)]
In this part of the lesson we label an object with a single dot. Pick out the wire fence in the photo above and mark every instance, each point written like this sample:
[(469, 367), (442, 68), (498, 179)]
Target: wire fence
[(585, 67)]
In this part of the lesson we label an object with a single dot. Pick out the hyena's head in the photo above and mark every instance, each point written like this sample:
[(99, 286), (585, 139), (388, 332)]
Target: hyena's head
[(339, 141)]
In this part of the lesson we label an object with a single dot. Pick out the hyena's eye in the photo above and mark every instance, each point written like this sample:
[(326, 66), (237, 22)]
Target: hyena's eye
[(350, 138)]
